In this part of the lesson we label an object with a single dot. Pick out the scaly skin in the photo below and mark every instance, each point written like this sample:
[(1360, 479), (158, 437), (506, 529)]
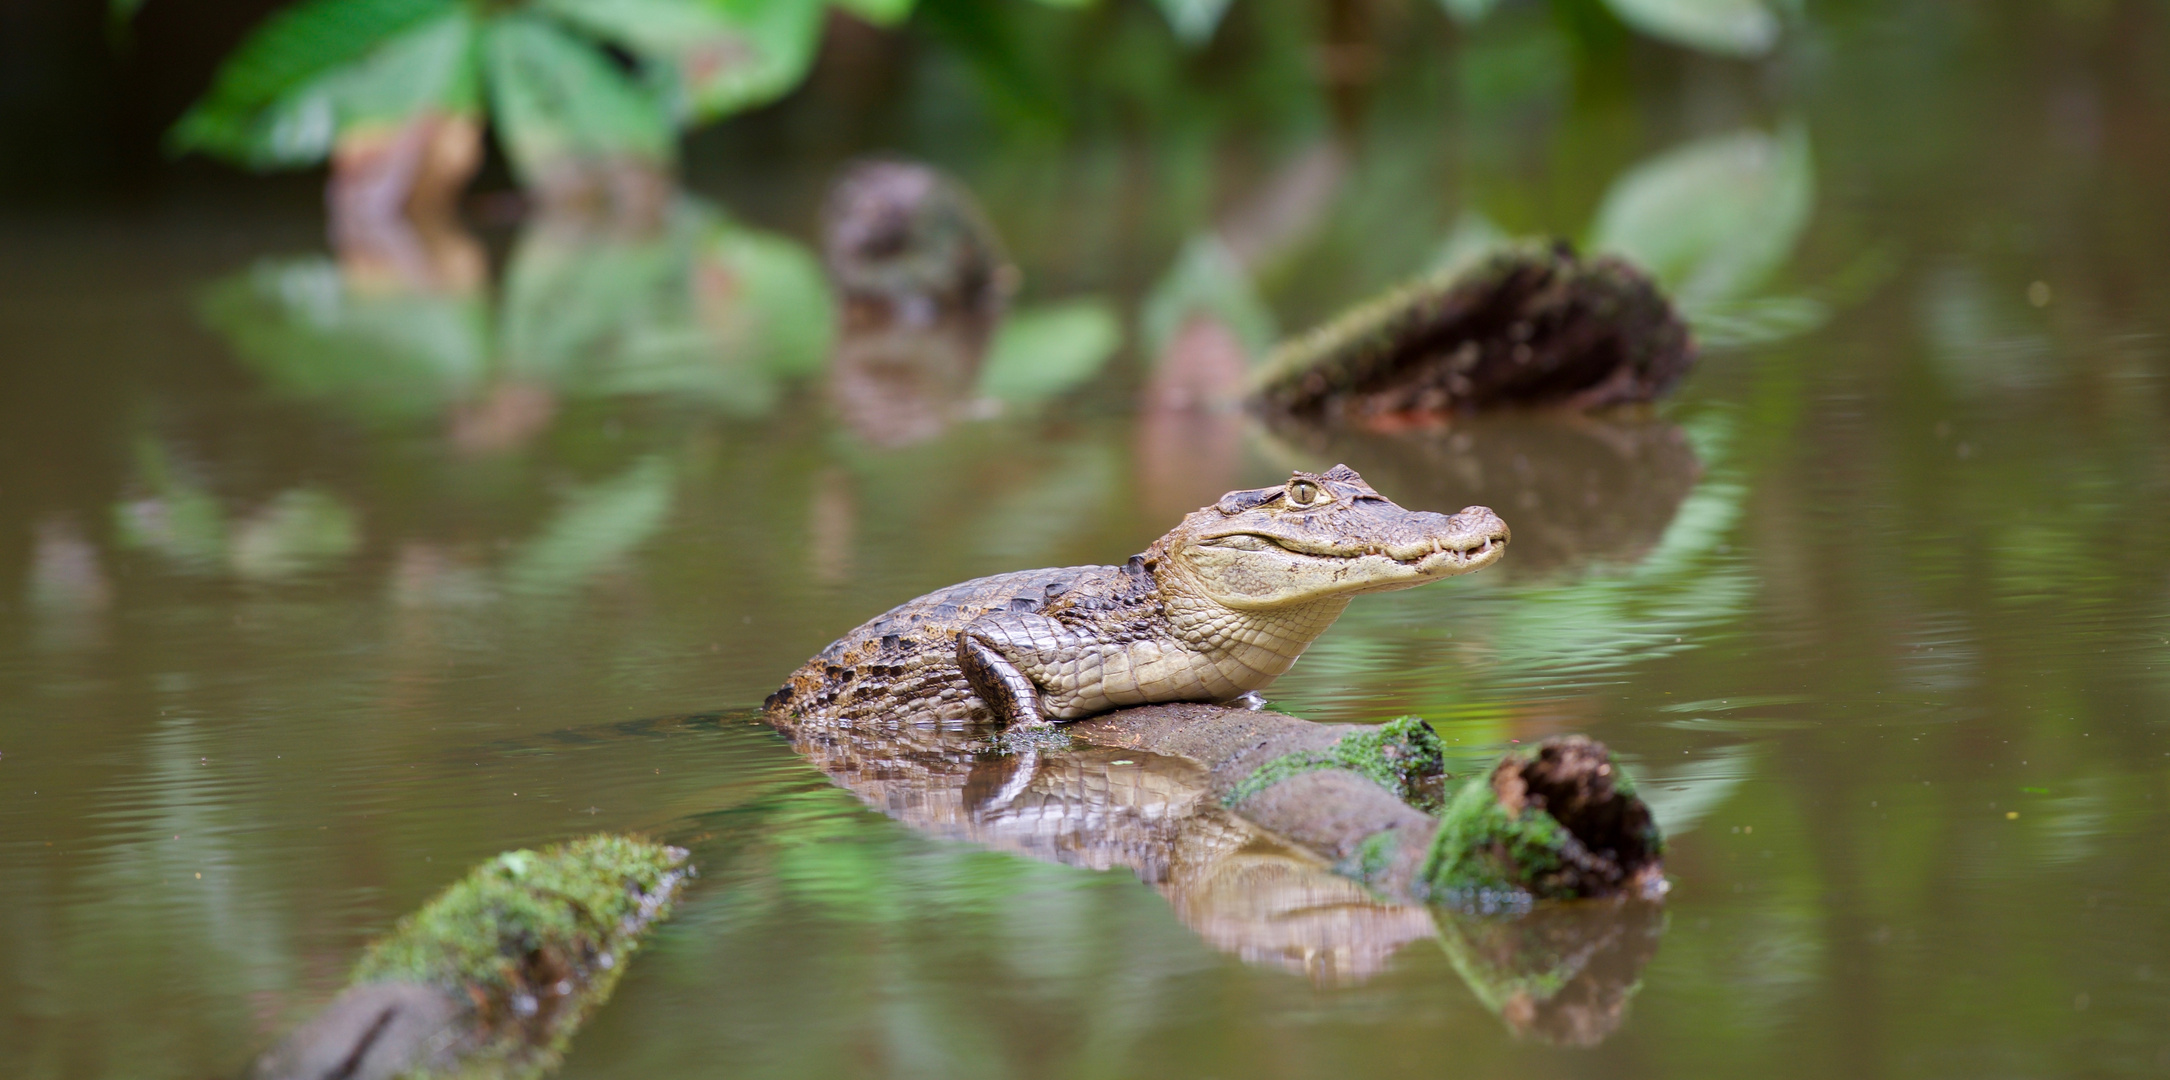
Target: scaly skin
[(1219, 607)]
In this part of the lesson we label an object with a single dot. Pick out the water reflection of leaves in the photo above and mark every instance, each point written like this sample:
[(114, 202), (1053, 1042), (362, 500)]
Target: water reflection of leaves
[(597, 525), (695, 308), (1040, 352), (298, 530), (383, 357), (700, 309), (1714, 220), (1735, 27)]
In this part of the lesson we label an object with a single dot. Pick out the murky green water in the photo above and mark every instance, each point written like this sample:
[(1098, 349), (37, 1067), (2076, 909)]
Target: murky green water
[(318, 585)]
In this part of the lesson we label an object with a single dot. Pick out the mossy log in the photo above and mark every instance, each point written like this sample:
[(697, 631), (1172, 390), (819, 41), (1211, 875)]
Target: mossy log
[(1530, 326), (489, 980), (1559, 820)]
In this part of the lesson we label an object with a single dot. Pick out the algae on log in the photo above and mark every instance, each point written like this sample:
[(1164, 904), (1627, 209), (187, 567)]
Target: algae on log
[(1531, 325), (490, 979)]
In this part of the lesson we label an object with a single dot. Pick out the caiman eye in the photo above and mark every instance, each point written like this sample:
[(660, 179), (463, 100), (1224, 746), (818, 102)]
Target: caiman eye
[(1240, 542), (1302, 493)]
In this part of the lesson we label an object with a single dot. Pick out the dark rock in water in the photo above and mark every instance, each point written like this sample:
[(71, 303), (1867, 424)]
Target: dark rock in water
[(902, 237), (1529, 326), (1581, 488)]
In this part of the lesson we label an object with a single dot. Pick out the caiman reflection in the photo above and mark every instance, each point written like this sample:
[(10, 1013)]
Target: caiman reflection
[(1101, 808)]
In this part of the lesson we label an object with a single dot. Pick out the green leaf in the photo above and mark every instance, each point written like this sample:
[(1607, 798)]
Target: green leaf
[(1468, 11), (1475, 237), (878, 12), (1713, 219), (1194, 20), (993, 44), (429, 68), (1732, 27), (251, 115), (713, 57), (1041, 352), (763, 51), (560, 100), (1205, 278)]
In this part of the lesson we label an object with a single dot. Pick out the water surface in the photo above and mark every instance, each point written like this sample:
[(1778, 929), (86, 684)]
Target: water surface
[(314, 592)]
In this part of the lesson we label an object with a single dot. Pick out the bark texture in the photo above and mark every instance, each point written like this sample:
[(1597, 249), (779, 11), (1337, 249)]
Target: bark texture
[(1530, 326)]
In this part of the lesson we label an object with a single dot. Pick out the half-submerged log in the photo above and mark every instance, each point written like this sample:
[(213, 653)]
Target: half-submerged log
[(490, 979), (1529, 326)]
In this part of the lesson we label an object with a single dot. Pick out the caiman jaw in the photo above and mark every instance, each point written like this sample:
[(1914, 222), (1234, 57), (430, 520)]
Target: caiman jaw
[(1456, 555), (1323, 537)]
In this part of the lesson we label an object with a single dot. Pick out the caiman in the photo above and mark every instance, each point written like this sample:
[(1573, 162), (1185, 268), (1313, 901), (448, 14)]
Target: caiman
[(1219, 607)]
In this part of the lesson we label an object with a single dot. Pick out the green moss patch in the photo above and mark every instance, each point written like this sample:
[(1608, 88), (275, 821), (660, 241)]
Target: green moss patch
[(536, 940), (1555, 822), (1403, 756)]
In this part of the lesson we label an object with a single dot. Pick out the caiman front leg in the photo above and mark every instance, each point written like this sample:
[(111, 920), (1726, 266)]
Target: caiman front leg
[(984, 653)]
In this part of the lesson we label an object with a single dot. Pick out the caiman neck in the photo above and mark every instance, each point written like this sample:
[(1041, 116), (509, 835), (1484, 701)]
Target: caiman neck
[(1266, 641)]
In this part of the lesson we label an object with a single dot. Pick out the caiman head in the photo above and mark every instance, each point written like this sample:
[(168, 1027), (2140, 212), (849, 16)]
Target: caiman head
[(1320, 536)]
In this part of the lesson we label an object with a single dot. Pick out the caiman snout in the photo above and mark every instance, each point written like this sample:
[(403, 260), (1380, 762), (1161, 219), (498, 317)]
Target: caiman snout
[(1475, 527), (1474, 531)]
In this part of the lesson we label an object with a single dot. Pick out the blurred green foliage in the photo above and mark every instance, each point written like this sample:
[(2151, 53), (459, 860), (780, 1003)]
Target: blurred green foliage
[(696, 308), (616, 80)]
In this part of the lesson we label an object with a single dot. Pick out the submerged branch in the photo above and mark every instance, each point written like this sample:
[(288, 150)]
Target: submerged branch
[(490, 979)]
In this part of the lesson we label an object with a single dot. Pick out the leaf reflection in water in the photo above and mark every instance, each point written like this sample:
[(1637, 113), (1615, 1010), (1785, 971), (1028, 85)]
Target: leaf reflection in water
[(687, 306)]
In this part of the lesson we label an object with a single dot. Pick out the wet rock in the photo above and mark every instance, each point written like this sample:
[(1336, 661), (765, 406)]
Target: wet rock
[(1529, 326)]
